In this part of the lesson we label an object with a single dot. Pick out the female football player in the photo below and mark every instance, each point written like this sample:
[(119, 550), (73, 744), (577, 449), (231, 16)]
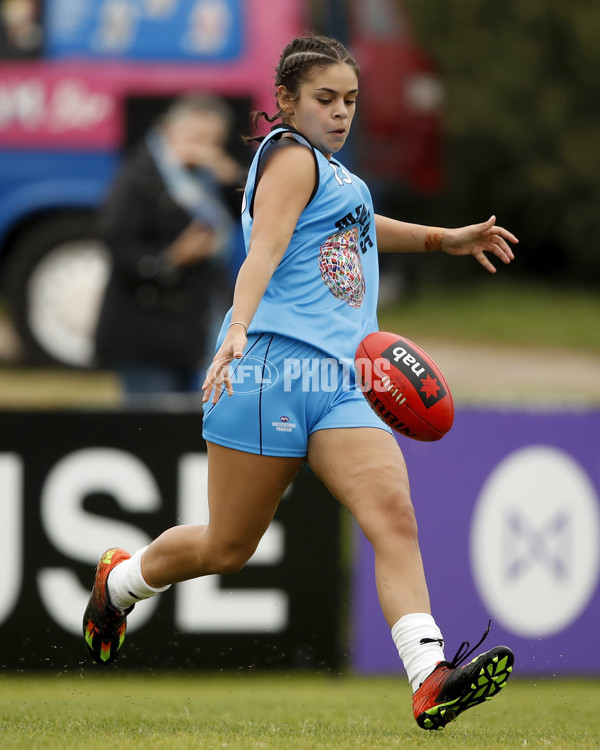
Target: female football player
[(307, 292)]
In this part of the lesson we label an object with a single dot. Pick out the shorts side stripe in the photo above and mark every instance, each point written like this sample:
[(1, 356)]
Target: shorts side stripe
[(262, 377)]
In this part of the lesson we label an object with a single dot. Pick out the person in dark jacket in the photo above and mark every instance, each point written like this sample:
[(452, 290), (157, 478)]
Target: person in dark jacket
[(169, 232)]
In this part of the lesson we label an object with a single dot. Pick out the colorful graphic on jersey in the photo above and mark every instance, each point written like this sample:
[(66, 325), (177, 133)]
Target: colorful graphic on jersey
[(341, 267)]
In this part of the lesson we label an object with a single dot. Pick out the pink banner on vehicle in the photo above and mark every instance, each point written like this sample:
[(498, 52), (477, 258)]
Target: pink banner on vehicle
[(46, 107)]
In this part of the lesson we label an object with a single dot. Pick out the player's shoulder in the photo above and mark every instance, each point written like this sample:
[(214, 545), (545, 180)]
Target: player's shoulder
[(289, 151), (286, 158)]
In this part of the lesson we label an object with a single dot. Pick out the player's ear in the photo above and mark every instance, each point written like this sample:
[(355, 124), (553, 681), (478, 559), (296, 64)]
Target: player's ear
[(285, 100)]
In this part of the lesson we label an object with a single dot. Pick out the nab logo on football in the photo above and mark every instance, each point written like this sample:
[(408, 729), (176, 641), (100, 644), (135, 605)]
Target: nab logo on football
[(423, 378)]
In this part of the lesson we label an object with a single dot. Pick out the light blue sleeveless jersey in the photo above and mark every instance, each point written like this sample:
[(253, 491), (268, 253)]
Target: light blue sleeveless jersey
[(324, 291)]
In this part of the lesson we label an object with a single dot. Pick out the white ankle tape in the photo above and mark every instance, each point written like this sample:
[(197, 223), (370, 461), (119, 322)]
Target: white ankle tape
[(126, 584), (420, 645)]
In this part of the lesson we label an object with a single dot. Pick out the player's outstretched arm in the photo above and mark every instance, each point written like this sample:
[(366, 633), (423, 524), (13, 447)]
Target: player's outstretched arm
[(479, 239), (474, 239)]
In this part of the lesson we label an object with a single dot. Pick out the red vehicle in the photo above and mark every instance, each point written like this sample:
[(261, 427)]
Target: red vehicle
[(79, 83), (400, 101)]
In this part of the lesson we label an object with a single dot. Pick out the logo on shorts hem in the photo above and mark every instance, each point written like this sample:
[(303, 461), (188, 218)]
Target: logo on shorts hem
[(284, 425)]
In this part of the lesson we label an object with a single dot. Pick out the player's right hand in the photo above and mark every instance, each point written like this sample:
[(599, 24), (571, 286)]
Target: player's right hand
[(218, 377)]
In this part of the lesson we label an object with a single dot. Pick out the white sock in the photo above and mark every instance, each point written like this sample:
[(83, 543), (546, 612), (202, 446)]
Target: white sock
[(126, 585), (419, 658)]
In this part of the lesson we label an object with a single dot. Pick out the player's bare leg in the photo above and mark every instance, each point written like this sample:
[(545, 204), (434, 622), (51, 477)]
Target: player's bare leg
[(365, 470), (244, 491)]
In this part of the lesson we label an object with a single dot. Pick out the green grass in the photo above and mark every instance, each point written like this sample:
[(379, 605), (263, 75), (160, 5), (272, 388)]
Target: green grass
[(492, 310), (177, 712)]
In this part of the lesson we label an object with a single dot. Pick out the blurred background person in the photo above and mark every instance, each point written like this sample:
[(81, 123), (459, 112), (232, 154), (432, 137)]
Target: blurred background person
[(20, 28), (169, 231)]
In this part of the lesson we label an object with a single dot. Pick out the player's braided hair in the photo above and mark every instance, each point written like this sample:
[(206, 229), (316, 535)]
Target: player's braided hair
[(297, 61)]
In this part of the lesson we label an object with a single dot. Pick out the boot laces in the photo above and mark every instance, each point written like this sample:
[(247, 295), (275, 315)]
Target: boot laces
[(464, 651)]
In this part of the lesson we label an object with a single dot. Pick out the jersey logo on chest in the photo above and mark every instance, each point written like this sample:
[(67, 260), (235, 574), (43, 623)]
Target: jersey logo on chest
[(341, 267)]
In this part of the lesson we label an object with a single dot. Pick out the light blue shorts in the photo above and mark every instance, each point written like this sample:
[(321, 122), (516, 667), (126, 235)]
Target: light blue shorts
[(283, 391)]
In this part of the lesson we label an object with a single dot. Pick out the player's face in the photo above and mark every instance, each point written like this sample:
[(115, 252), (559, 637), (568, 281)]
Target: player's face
[(325, 106)]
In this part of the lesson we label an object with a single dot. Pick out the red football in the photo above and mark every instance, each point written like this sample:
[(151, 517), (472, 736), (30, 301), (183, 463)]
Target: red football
[(404, 386)]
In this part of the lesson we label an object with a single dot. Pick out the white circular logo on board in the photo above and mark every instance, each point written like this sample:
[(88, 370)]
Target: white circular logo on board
[(535, 541)]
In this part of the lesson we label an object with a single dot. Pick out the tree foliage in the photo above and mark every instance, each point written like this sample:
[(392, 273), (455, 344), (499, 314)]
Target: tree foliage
[(523, 120)]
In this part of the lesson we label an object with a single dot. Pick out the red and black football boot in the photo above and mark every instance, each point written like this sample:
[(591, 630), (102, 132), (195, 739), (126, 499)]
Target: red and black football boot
[(451, 689), (103, 624)]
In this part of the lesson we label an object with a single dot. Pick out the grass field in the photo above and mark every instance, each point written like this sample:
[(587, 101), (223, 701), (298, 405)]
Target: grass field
[(180, 712), (494, 311)]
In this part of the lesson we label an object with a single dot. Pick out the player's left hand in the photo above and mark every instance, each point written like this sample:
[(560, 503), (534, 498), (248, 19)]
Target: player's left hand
[(479, 239)]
